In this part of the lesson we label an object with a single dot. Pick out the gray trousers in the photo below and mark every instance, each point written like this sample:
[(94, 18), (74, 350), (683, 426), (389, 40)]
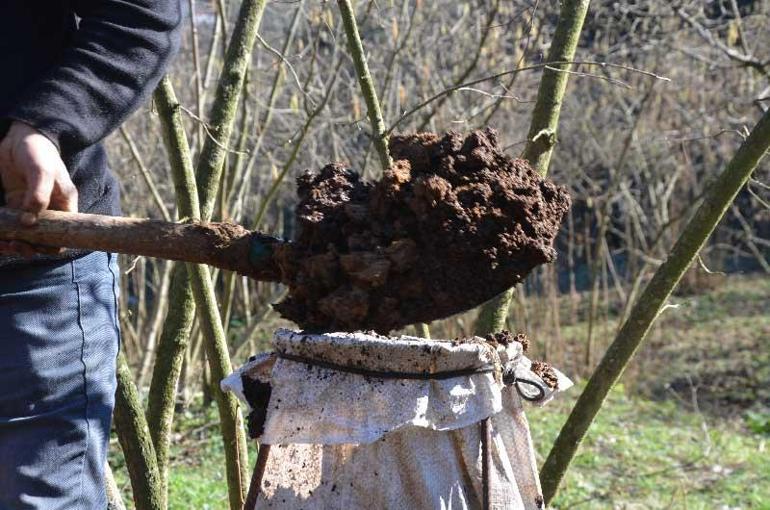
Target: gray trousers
[(59, 339)]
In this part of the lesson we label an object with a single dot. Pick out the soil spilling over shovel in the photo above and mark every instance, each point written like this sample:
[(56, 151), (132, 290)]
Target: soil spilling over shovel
[(453, 223)]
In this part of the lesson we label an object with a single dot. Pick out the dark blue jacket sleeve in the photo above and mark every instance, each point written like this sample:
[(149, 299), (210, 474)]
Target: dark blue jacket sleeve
[(116, 58)]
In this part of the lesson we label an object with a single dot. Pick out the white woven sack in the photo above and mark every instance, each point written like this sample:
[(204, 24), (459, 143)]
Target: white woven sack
[(343, 439)]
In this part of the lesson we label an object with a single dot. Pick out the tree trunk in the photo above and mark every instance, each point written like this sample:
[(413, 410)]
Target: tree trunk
[(542, 130)]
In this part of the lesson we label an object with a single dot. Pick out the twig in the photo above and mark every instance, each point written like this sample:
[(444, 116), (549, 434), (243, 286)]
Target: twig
[(470, 67), (379, 134), (550, 64), (705, 268), (591, 75), (283, 59), (211, 137), (196, 66), (261, 128), (489, 94), (528, 40), (298, 140), (145, 173), (759, 199), (716, 43)]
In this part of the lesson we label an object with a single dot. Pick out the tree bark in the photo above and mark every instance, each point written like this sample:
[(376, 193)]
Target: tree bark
[(224, 109), (172, 344), (542, 130), (114, 498), (134, 437)]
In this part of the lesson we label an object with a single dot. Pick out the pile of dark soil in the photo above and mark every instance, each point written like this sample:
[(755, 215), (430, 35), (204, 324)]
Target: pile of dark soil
[(453, 223)]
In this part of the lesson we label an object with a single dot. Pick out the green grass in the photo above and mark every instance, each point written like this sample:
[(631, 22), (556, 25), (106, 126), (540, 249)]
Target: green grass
[(653, 449), (714, 347), (639, 454), (719, 344), (647, 454)]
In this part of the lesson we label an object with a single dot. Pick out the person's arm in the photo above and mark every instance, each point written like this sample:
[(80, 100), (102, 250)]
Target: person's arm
[(116, 58)]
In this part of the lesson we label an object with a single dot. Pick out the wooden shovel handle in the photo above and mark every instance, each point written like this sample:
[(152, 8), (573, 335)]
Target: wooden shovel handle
[(224, 245)]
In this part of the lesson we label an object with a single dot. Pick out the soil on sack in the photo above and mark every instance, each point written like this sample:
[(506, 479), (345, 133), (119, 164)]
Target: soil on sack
[(505, 337), (545, 372), (452, 223)]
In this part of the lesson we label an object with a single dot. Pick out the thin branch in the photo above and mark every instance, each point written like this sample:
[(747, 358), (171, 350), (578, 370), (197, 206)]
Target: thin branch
[(196, 66), (237, 196), (550, 65), (542, 130), (716, 43), (298, 140), (145, 174), (379, 134), (470, 67), (494, 96), (283, 59), (591, 75), (211, 137), (496, 105)]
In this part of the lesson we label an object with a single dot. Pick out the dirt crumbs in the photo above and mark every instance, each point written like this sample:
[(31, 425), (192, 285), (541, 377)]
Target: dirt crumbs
[(453, 223), (505, 337), (545, 372)]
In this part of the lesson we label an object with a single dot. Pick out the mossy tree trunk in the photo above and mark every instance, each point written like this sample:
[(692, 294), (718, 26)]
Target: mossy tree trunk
[(168, 367), (541, 138), (136, 443), (379, 131), (192, 285)]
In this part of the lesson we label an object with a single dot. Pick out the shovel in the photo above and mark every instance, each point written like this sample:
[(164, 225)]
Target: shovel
[(223, 245)]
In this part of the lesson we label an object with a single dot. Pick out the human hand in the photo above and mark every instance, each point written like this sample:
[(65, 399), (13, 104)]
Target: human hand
[(34, 178)]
